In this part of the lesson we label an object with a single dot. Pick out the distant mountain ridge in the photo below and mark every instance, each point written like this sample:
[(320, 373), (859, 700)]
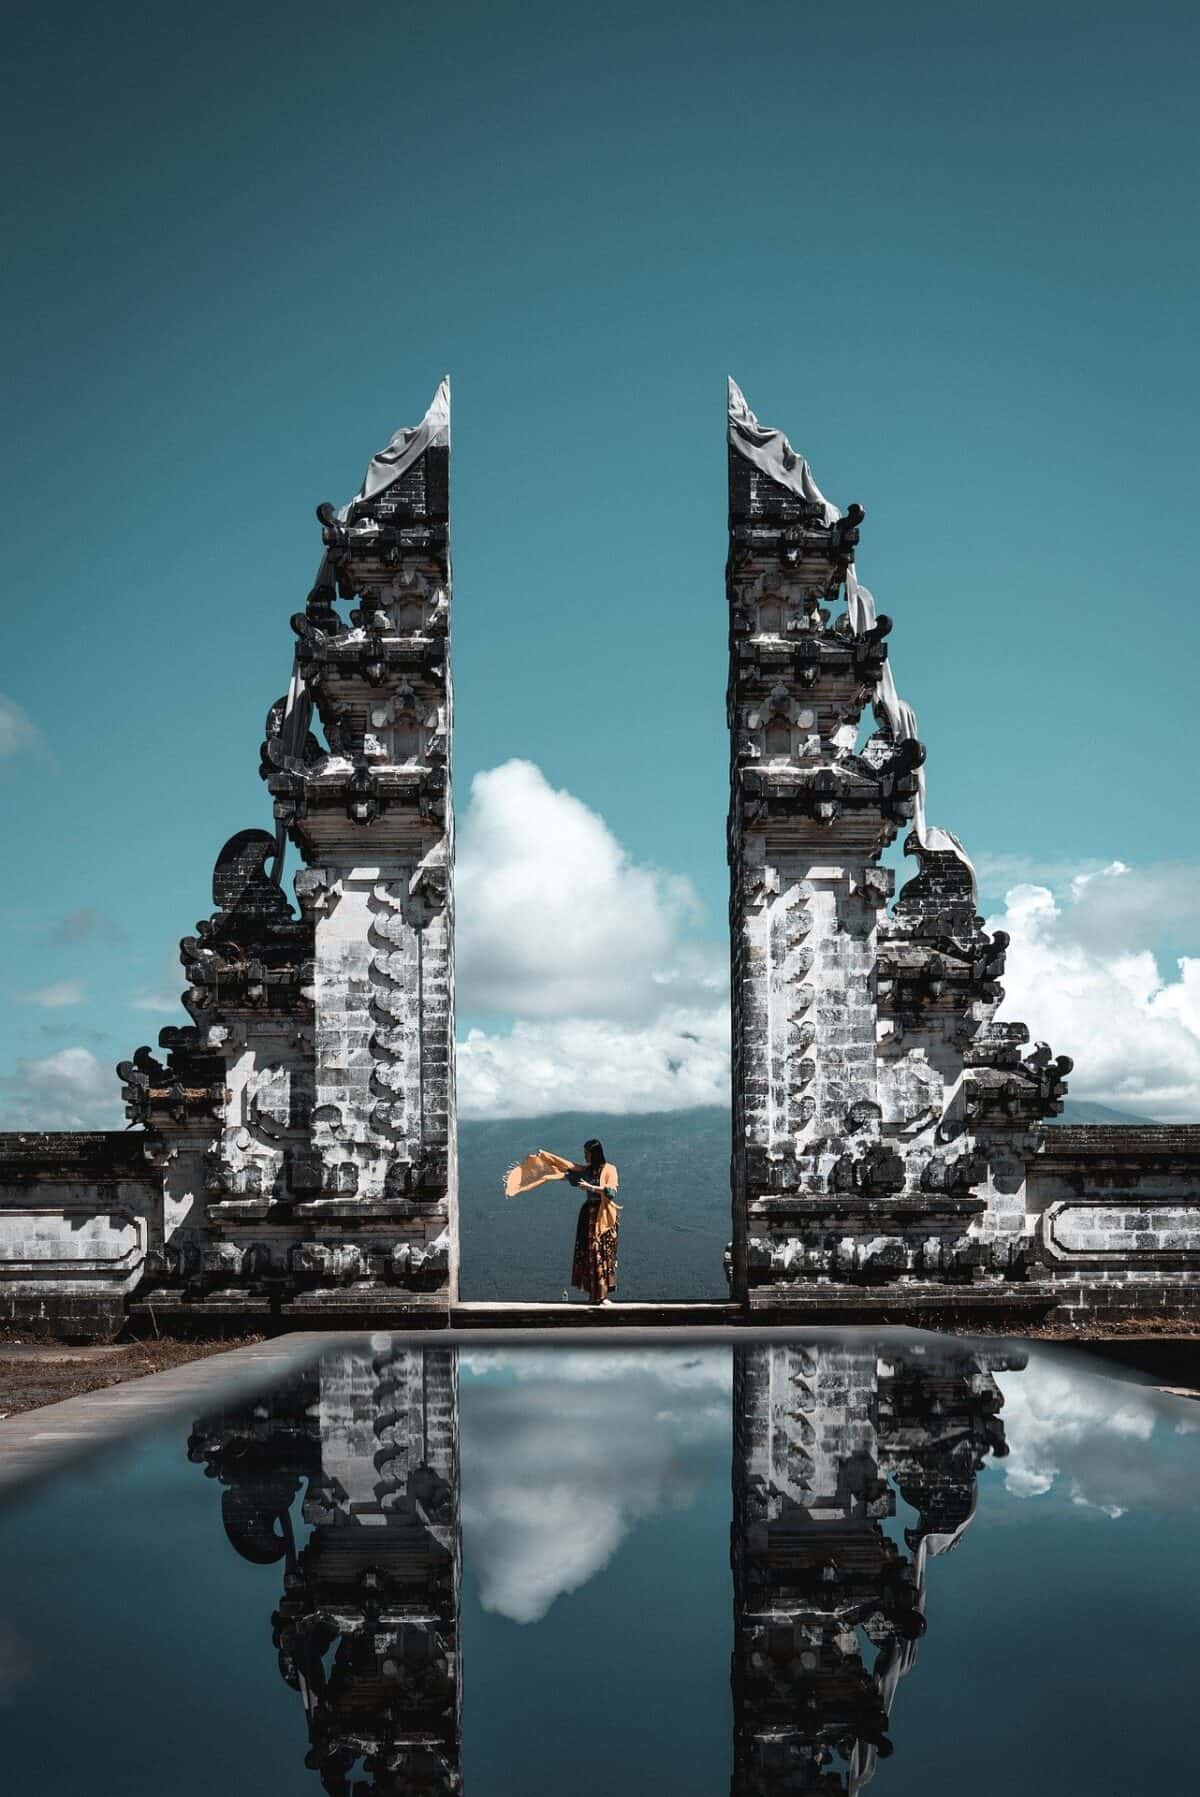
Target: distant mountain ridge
[(674, 1168), (1078, 1110), (675, 1221)]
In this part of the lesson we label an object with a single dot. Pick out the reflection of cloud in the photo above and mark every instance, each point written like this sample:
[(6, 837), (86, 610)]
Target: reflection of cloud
[(1083, 1437), (555, 1474)]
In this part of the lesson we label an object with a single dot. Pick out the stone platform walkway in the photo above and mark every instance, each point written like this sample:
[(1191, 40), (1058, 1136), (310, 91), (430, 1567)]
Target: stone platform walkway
[(38, 1442)]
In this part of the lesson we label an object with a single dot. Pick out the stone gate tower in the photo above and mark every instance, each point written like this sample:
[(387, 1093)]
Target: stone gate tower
[(305, 1120), (882, 1120)]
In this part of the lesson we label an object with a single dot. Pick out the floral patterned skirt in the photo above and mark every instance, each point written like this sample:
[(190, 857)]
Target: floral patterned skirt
[(594, 1266)]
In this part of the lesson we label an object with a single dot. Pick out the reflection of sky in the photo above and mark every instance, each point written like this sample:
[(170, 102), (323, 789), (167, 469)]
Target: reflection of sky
[(596, 1509), (1060, 1647), (15, 1664), (597, 1597), (563, 1451), (125, 1613), (1098, 1442)]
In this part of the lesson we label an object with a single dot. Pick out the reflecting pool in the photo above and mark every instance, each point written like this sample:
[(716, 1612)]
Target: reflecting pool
[(795, 1566)]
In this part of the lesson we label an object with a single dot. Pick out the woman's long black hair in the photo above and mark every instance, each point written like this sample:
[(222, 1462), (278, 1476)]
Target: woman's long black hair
[(595, 1152)]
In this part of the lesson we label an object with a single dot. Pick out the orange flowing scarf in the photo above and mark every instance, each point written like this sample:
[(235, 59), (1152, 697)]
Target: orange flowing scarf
[(541, 1166)]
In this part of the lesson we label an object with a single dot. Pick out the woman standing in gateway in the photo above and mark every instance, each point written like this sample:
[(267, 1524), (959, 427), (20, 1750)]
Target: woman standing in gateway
[(594, 1263)]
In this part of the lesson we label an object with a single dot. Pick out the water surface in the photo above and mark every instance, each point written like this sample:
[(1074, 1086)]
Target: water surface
[(904, 1560)]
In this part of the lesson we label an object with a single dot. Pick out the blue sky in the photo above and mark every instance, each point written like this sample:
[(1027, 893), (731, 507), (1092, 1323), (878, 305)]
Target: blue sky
[(952, 252)]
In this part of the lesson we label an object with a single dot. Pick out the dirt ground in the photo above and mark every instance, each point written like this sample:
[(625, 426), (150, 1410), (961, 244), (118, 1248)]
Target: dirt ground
[(35, 1373)]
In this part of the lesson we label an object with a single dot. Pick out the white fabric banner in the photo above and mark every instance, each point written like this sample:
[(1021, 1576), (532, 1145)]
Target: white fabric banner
[(771, 452), (407, 446), (902, 721)]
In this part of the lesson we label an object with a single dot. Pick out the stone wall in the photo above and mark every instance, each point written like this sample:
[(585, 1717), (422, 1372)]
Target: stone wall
[(1114, 1219), (79, 1217)]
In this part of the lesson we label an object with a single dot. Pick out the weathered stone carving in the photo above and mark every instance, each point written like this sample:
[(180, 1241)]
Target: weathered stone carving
[(866, 1061), (305, 1122)]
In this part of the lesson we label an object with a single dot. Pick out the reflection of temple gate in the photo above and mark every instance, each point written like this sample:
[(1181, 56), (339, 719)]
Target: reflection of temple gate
[(828, 1606), (829, 1594), (367, 1624)]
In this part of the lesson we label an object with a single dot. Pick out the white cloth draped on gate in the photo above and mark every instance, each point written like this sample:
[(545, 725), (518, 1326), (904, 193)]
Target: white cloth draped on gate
[(902, 721), (771, 452), (406, 447)]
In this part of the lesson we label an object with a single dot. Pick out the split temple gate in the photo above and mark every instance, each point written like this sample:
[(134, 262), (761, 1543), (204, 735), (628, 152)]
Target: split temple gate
[(294, 1150)]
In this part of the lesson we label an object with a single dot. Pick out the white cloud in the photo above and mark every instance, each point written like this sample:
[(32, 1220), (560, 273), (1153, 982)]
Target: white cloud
[(617, 1008), (555, 1475), (67, 1090), (996, 873), (83, 925), (1083, 1437), (1116, 905), (17, 729), (161, 1003), (1080, 975), (555, 920), (16, 1665), (56, 995), (163, 999), (670, 1063)]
